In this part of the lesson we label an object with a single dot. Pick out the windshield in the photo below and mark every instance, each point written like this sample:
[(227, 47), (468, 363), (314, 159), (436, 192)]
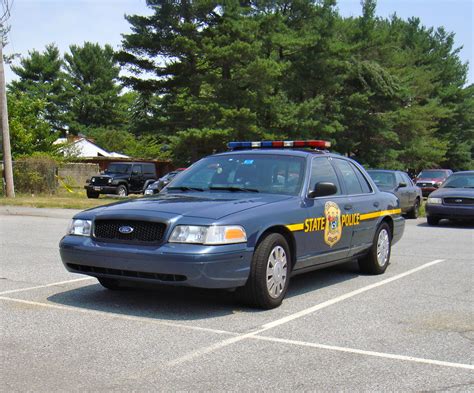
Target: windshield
[(465, 180), (383, 179), (432, 174), (118, 168), (273, 174)]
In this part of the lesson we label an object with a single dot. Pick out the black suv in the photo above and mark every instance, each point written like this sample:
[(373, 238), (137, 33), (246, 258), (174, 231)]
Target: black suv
[(122, 178)]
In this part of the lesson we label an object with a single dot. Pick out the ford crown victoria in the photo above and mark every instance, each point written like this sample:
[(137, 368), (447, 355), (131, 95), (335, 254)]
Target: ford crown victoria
[(247, 219)]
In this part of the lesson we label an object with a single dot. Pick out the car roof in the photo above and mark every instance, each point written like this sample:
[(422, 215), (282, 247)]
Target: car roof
[(463, 173), (384, 170)]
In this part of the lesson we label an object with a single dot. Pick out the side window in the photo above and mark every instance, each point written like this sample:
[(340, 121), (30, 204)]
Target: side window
[(366, 187), (400, 178), (349, 177), (322, 171), (407, 179), (149, 169), (137, 170)]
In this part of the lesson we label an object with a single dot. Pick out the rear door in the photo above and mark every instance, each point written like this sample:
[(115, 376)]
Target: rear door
[(361, 200), (412, 191)]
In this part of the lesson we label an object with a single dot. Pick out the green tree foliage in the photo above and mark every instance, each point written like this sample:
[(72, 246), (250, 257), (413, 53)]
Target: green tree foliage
[(93, 91), (388, 92), (29, 130), (41, 77)]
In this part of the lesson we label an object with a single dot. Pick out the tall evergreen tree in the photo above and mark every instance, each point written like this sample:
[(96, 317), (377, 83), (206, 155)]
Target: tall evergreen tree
[(41, 78), (92, 74)]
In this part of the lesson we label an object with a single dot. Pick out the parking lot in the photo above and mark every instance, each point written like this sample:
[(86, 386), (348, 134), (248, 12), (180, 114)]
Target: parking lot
[(411, 329)]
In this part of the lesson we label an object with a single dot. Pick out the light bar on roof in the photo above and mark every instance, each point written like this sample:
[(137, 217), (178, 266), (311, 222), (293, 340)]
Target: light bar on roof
[(316, 144)]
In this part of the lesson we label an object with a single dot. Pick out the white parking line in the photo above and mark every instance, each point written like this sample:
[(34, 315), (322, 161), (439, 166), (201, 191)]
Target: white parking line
[(204, 351), (54, 284), (116, 316), (366, 353), (338, 299)]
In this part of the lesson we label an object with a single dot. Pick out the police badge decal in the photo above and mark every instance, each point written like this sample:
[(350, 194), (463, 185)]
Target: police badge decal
[(333, 227)]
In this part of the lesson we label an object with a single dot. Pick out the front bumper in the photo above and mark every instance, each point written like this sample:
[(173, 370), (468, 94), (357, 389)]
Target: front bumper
[(226, 266), (102, 189), (425, 191), (448, 211)]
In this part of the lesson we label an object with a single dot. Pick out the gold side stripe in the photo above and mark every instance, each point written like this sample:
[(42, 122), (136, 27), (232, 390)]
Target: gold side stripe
[(295, 227), (367, 216)]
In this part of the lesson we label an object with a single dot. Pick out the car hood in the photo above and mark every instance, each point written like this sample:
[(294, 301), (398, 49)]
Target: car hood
[(453, 192), (206, 205)]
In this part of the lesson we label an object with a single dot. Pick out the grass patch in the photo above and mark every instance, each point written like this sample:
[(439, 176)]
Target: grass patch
[(62, 200)]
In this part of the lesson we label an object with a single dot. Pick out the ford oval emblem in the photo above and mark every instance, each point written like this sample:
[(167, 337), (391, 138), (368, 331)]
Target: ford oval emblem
[(125, 229)]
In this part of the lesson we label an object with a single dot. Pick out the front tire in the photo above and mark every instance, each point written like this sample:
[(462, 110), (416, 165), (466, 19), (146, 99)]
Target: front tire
[(92, 194), (432, 220), (269, 277), (378, 257), (415, 211), (110, 283), (122, 191)]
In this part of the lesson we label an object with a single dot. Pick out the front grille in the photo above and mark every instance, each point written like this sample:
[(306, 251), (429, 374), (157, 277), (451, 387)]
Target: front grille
[(100, 181), (424, 184), (143, 231), (458, 201), (126, 273)]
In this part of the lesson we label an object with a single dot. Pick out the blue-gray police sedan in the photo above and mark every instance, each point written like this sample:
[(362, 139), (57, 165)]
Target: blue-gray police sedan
[(247, 219)]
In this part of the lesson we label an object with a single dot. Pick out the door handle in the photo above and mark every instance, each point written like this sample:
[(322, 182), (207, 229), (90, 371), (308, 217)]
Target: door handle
[(348, 207)]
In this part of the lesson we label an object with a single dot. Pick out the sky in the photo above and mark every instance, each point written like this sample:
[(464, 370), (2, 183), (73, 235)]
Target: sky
[(36, 23)]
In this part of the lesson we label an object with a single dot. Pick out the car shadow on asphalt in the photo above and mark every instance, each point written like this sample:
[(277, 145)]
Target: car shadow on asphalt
[(449, 224), (182, 303)]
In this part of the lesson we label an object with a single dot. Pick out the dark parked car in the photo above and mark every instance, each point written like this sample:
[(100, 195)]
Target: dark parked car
[(430, 179), (156, 187), (454, 200), (400, 184), (122, 178)]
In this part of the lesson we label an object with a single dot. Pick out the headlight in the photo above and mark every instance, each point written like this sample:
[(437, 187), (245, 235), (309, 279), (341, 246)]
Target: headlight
[(148, 191), (437, 184), (208, 235), (93, 180), (80, 227), (110, 181), (434, 201)]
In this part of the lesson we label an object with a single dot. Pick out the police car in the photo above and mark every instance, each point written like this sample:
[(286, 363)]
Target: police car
[(247, 219)]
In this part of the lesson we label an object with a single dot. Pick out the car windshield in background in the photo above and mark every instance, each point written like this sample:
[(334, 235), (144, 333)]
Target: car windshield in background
[(118, 168), (432, 174), (383, 179), (465, 180), (273, 174)]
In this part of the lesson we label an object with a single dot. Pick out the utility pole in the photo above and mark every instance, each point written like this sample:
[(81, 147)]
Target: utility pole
[(7, 154)]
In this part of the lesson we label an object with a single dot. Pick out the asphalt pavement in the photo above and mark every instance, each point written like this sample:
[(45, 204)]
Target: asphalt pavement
[(411, 329)]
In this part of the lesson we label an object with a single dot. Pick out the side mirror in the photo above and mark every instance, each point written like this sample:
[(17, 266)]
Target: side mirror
[(323, 189), (402, 184)]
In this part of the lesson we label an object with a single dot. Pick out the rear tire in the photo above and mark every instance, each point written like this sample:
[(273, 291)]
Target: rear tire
[(269, 277), (378, 257), (110, 283), (92, 194), (415, 211), (121, 191), (432, 220)]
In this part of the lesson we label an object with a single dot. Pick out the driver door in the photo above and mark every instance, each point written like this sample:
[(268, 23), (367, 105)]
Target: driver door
[(325, 237)]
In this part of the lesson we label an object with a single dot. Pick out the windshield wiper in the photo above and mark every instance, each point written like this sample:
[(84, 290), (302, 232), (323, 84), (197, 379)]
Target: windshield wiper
[(236, 189), (185, 188)]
